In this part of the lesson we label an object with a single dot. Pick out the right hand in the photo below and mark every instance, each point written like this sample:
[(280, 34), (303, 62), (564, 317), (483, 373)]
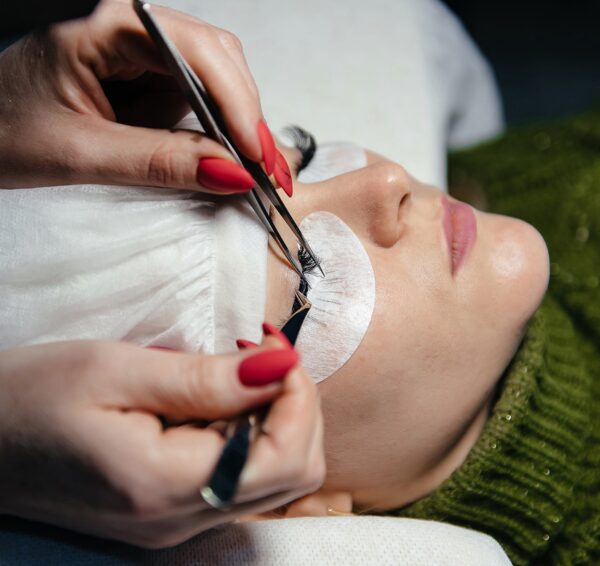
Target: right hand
[(82, 446)]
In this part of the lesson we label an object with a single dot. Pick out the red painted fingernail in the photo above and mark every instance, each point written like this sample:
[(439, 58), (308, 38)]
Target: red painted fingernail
[(271, 330), (282, 174), (223, 176), (266, 367), (268, 146), (245, 344)]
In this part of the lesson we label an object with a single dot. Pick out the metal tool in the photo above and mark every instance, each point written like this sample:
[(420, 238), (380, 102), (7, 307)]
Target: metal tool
[(214, 126), (221, 488)]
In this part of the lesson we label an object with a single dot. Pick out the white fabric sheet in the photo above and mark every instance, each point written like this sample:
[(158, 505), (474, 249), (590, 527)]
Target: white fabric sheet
[(154, 267)]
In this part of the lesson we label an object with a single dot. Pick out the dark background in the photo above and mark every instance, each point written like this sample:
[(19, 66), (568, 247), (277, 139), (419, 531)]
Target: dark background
[(546, 55)]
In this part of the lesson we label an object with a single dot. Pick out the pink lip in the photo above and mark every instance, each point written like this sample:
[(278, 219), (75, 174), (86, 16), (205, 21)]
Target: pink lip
[(460, 228)]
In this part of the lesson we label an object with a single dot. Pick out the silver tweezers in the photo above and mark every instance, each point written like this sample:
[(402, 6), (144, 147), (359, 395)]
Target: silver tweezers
[(212, 122)]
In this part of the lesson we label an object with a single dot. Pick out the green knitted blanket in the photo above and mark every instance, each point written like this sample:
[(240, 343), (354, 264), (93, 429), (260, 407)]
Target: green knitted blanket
[(532, 481)]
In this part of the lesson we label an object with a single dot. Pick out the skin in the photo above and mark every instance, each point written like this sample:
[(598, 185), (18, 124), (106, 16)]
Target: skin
[(407, 407)]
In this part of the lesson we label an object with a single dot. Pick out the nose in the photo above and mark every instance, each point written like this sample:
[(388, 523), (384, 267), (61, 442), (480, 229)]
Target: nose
[(377, 201)]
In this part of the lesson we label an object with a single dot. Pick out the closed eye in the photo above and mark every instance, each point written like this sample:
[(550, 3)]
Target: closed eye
[(305, 143)]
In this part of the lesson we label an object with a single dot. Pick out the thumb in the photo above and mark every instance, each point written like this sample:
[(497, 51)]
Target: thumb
[(117, 154), (199, 386)]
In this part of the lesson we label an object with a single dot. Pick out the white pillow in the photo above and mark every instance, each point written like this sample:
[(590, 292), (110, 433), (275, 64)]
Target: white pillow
[(400, 77)]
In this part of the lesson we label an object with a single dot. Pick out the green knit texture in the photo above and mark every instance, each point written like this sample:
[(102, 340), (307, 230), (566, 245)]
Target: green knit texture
[(532, 481)]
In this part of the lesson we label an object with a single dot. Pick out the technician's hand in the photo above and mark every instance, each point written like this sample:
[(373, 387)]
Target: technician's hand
[(88, 101), (81, 444)]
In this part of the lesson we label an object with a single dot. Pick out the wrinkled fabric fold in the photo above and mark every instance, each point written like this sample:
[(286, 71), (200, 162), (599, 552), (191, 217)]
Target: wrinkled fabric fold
[(149, 266)]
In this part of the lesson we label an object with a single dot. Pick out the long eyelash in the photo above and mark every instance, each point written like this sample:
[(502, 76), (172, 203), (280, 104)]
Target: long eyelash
[(308, 265), (307, 262), (304, 142)]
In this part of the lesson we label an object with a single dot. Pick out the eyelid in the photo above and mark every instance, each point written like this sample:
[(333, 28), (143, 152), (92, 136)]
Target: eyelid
[(304, 142)]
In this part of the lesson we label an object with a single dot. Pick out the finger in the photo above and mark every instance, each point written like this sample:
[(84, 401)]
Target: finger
[(108, 152), (164, 469), (227, 83), (234, 48), (191, 386), (278, 459), (201, 46), (171, 531)]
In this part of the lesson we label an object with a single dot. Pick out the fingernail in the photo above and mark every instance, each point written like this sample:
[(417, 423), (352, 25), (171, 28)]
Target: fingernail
[(268, 146), (282, 174), (270, 330), (266, 367), (222, 175), (245, 344)]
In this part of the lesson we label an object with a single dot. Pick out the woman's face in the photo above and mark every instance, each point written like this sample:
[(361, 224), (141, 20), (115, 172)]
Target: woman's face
[(405, 409)]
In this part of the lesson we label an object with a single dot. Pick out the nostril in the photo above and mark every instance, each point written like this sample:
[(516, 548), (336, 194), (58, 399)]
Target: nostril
[(403, 204)]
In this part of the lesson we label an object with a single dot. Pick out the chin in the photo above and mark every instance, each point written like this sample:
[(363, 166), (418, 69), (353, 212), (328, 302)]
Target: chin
[(520, 265)]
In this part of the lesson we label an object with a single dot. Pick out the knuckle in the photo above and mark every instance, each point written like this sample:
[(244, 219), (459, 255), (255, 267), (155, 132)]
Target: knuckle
[(201, 381), (229, 41), (145, 498), (165, 166), (145, 502), (89, 357)]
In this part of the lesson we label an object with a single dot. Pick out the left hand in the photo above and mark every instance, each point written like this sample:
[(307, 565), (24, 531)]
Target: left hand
[(91, 101)]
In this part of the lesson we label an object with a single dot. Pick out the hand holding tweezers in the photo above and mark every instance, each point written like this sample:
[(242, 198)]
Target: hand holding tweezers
[(214, 126)]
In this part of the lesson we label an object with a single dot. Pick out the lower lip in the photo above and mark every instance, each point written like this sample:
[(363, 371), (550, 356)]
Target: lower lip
[(460, 228)]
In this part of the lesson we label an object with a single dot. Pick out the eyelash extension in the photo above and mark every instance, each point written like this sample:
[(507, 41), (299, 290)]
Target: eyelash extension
[(304, 142), (307, 261), (308, 264)]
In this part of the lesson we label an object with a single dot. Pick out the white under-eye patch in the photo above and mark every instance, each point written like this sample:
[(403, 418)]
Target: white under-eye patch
[(330, 159), (342, 301)]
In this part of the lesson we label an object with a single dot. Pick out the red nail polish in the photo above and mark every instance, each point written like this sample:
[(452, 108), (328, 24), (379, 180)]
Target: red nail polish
[(270, 330), (282, 174), (268, 146), (223, 176), (266, 367), (245, 344)]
